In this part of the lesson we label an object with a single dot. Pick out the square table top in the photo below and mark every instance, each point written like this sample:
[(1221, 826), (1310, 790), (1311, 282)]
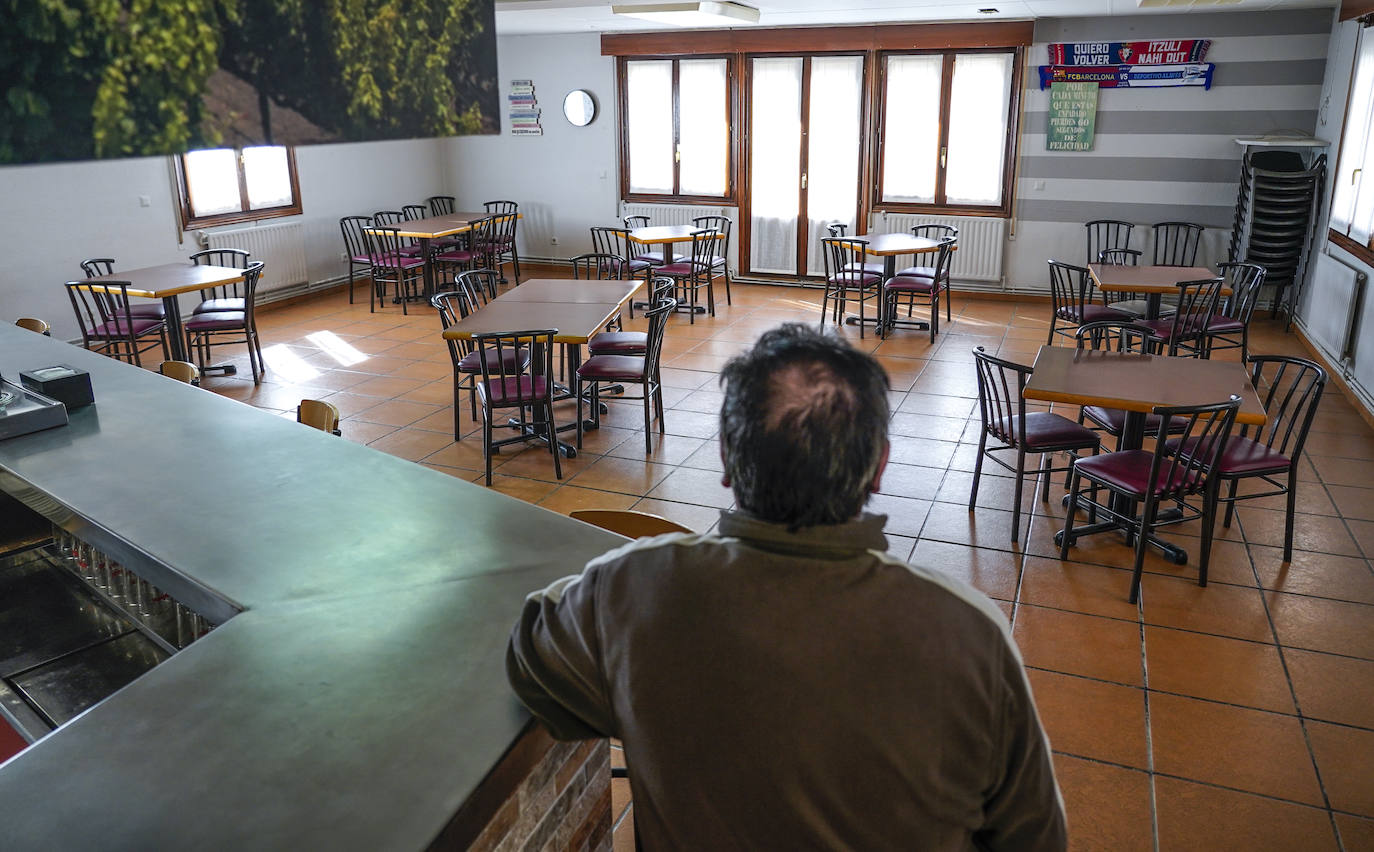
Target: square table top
[(882, 245), (1135, 382), (169, 279), (433, 227), (659, 234), (576, 321), (1146, 279)]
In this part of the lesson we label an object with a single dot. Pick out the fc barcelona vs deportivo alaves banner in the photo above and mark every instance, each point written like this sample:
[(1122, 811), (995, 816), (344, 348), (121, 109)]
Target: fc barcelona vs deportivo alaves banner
[(1174, 52)]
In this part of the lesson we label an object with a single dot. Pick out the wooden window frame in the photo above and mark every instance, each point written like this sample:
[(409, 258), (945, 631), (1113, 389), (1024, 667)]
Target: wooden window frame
[(1364, 252), (731, 148), (1009, 152), (244, 214)]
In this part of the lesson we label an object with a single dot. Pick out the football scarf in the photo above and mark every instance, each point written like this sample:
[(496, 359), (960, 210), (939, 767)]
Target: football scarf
[(1173, 52)]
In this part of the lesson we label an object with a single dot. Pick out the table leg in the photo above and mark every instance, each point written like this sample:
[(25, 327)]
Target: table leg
[(171, 309), (431, 284), (1152, 303)]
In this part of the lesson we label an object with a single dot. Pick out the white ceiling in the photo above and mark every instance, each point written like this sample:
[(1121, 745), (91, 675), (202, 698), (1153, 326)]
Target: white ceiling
[(521, 17)]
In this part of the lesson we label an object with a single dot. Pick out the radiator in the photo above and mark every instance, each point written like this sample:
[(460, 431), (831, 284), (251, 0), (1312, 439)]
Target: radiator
[(281, 247), (982, 242), (672, 214), (1334, 309)]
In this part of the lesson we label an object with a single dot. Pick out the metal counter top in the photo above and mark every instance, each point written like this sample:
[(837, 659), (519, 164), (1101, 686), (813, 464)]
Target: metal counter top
[(358, 699)]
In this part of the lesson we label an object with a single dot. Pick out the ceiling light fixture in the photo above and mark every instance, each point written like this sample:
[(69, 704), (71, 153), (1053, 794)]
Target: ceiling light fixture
[(695, 13)]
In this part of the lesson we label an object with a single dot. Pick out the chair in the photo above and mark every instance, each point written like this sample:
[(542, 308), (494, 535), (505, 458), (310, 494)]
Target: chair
[(693, 274), (1005, 419), (109, 327), (845, 258), (415, 211), (391, 266), (230, 296), (441, 205), (1106, 234), (34, 324), (935, 232), (721, 262), (232, 257), (627, 522), (650, 257), (1126, 302), (529, 389), (630, 342), (643, 369), (1158, 477), (502, 239), (599, 266), (480, 282), (1230, 327), (452, 307), (1186, 331), (355, 246), (1176, 243), (221, 328), (838, 230), (1290, 394), (318, 414), (616, 241), (1114, 337), (97, 266), (924, 286), (182, 371), (408, 246), (1071, 295), (477, 252)]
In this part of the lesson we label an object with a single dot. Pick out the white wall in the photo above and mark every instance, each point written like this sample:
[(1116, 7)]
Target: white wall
[(54, 216), (566, 181)]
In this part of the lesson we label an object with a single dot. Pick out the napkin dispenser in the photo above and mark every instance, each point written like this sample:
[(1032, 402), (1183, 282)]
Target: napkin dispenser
[(67, 385)]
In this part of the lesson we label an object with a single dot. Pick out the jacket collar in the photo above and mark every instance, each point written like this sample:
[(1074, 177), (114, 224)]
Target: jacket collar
[(827, 541)]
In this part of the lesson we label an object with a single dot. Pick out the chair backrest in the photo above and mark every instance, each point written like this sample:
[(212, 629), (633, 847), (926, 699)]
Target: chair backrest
[(611, 241), (1197, 302), (722, 224), (388, 217), (233, 289), (384, 246), (1071, 288), (251, 276), (182, 371), (1244, 281), (1107, 234), (1001, 404), (355, 243), (1204, 431), (104, 316), (660, 288), (628, 522), (1176, 243), (632, 222), (704, 248), (658, 326), (34, 324), (501, 208), (415, 211), (483, 234), (838, 253), (1119, 257), (1290, 389), (97, 266), (318, 414), (454, 305), (506, 388), (837, 229), (935, 232), (479, 283), (440, 205), (599, 266), (1110, 336), (237, 258), (944, 255)]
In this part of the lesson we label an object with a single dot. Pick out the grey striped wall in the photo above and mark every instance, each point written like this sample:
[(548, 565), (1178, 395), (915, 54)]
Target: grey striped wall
[(1162, 154)]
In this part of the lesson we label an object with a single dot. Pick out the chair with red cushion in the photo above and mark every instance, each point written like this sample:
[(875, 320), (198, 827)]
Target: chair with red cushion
[(528, 389), (599, 266), (1071, 292), (1229, 328), (874, 267), (935, 232), (475, 253), (616, 241), (693, 272), (846, 259), (1002, 411), (630, 342), (1291, 391), (109, 327), (355, 246), (1127, 302), (441, 205), (222, 297), (98, 266), (1185, 333), (409, 246), (452, 306), (390, 266), (221, 328), (926, 287), (642, 369), (1156, 478), (1115, 337), (654, 258), (720, 262), (502, 240)]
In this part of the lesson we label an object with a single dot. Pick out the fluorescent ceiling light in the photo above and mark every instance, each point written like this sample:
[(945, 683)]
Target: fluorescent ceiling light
[(695, 13)]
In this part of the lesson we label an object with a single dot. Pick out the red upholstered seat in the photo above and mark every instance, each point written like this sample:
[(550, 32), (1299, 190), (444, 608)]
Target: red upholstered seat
[(907, 284), (397, 261), (869, 268), (654, 258), (1224, 325), (1241, 457), (410, 251), (1129, 471), (119, 328), (619, 343), (616, 367), (512, 360), (1049, 431), (681, 268), (855, 279), (455, 256), (1092, 313), (513, 390), (918, 272), (222, 321), (1114, 420), (210, 306), (1164, 328), (150, 310)]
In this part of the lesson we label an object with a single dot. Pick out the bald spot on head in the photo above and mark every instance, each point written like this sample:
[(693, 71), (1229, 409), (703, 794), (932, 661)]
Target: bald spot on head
[(797, 390)]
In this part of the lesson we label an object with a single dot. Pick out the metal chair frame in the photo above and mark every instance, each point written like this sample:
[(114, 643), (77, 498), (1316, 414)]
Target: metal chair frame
[(493, 347), (1070, 299), (1175, 243), (935, 231), (1197, 303), (106, 321), (697, 275), (391, 266), (503, 237), (355, 246), (1245, 281), (202, 340), (891, 296), (845, 258), (650, 380), (722, 224)]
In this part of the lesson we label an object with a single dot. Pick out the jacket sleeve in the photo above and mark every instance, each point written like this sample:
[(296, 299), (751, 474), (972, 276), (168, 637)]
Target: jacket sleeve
[(554, 659), (1025, 810)]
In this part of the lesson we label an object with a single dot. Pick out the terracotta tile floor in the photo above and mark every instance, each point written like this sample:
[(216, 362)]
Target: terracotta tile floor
[(1236, 716)]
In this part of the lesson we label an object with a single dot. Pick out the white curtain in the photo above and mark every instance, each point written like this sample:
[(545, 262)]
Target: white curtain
[(979, 99), (832, 150), (703, 134), (775, 164), (911, 137), (649, 114), (1352, 210)]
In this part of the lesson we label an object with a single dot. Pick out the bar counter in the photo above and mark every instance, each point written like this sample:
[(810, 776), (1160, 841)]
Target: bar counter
[(357, 700)]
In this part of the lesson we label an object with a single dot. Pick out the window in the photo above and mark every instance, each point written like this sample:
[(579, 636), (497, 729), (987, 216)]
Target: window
[(1352, 207), (944, 135), (675, 133), (223, 185)]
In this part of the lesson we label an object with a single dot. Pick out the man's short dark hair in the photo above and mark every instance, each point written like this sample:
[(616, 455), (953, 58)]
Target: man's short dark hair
[(803, 427)]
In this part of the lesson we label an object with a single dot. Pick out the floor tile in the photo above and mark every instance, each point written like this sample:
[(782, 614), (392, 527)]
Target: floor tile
[(1332, 688), (1215, 608), (1090, 718), (1073, 643), (905, 516), (1091, 589), (995, 573), (1196, 816), (570, 498), (696, 518), (1317, 533), (1108, 808), (1336, 627), (982, 528), (411, 444), (701, 487), (1217, 668), (1320, 574), (1344, 756), (1357, 833)]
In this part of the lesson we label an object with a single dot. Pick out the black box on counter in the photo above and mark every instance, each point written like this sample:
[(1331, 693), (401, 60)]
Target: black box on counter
[(67, 385)]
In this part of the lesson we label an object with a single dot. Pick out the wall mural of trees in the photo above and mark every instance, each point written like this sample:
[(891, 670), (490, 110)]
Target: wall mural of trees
[(115, 78)]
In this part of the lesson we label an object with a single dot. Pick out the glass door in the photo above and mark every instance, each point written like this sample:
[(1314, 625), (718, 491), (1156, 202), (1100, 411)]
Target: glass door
[(805, 142)]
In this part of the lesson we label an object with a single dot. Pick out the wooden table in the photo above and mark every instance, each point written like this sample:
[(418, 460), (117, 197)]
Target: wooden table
[(433, 228), (1152, 282), (1137, 383), (666, 236), (890, 247), (578, 309), (167, 282)]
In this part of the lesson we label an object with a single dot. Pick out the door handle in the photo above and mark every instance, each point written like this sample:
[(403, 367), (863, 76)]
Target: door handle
[(943, 151), (803, 180)]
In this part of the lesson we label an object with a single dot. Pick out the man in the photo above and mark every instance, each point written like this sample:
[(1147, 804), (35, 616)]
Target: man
[(784, 684)]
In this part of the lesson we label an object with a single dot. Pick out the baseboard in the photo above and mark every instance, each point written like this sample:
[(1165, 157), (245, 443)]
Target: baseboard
[(1359, 400)]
